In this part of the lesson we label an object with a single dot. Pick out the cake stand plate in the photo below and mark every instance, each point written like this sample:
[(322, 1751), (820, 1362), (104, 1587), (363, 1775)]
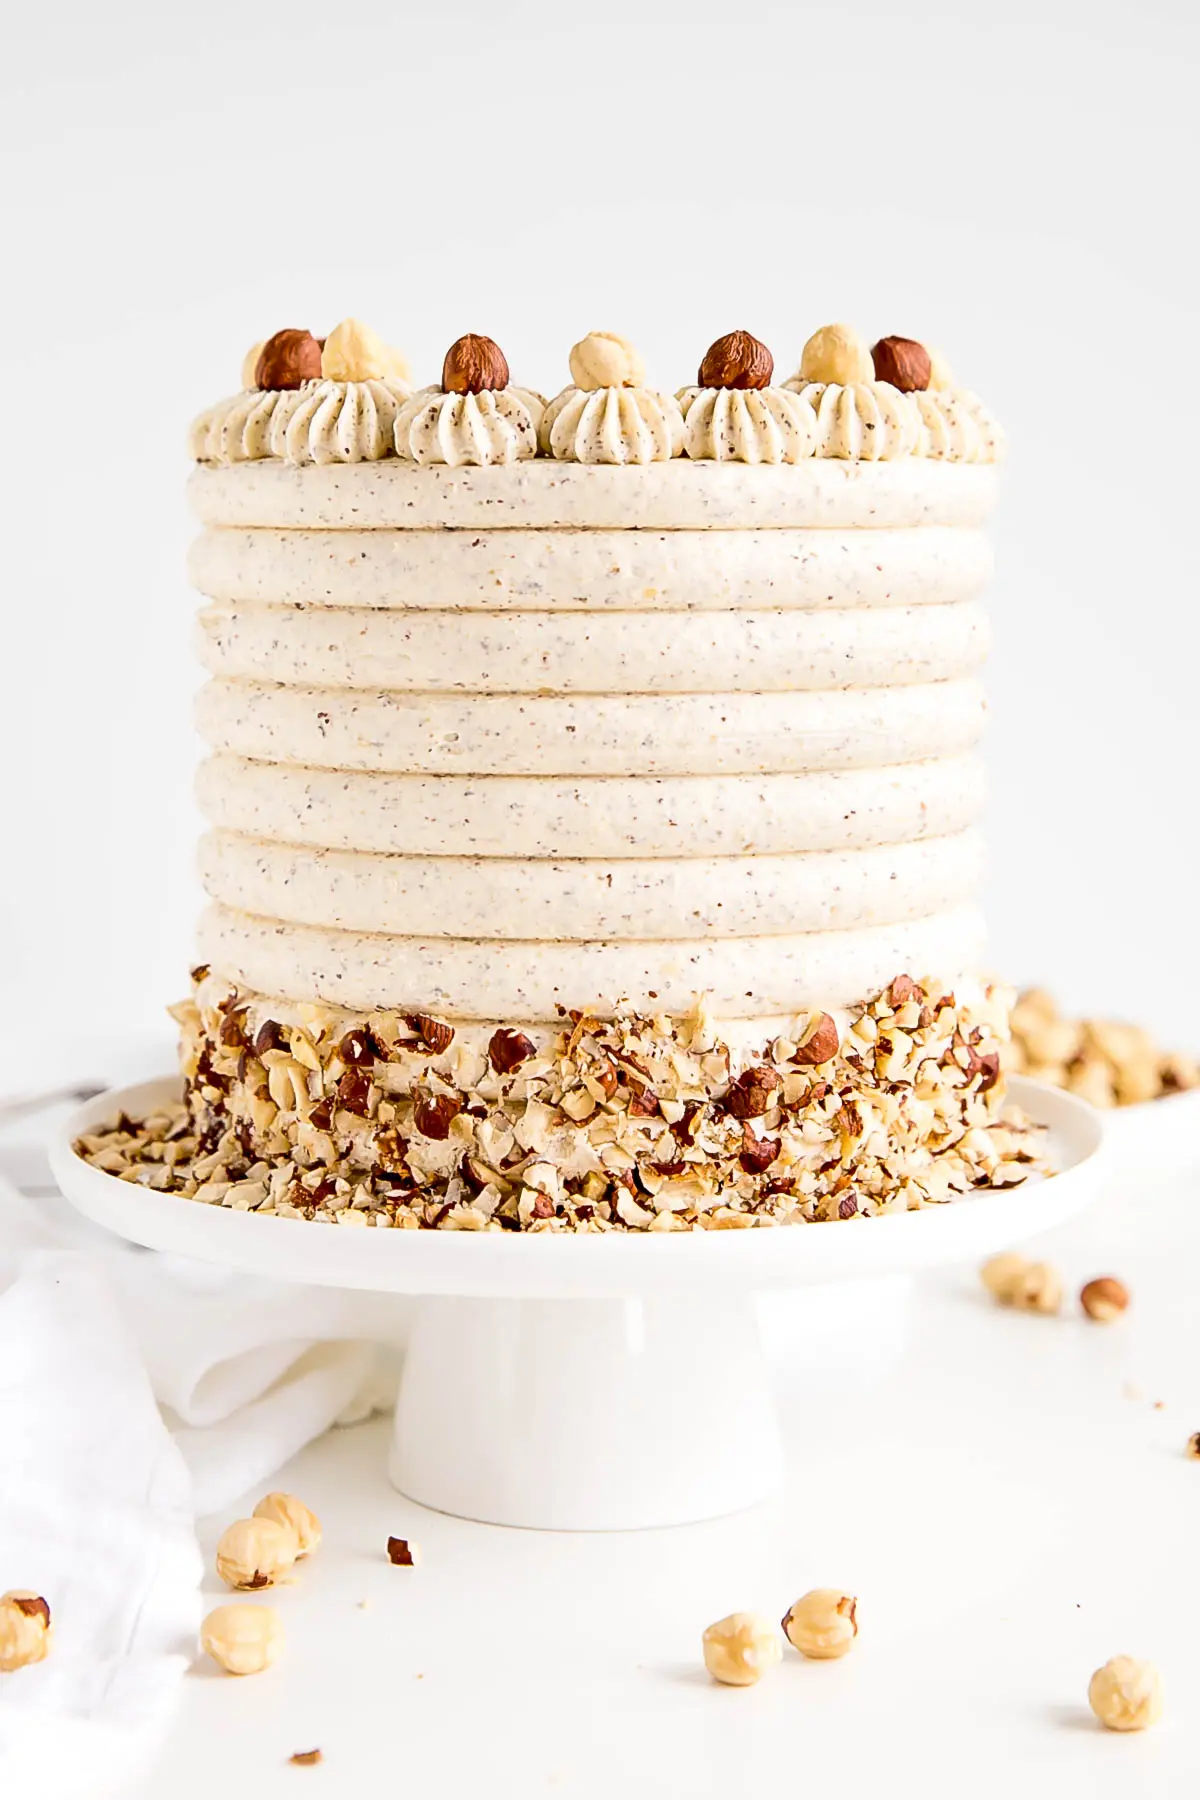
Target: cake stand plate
[(586, 1382)]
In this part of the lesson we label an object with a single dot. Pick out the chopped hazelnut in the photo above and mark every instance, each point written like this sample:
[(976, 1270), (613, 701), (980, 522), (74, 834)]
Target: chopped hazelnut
[(1001, 1274), (1104, 1299), (737, 1649), (1126, 1695), (305, 1759), (403, 1552), (822, 1624), (26, 1632), (1038, 1289), (243, 1640), (254, 1553), (1193, 1447), (286, 1510)]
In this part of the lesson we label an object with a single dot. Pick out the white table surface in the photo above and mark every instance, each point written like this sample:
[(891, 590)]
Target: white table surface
[(1007, 1496)]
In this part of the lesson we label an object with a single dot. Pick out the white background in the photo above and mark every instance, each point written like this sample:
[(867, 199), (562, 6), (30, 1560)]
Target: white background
[(1014, 183)]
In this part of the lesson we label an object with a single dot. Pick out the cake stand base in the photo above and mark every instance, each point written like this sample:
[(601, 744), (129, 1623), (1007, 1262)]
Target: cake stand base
[(574, 1382), (586, 1415)]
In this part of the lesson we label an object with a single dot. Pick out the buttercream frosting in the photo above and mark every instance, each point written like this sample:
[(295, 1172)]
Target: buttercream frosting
[(322, 422), (957, 427), (869, 421), (497, 425), (748, 425), (612, 425)]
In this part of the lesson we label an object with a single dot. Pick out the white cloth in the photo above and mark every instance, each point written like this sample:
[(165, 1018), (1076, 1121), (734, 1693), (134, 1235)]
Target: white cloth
[(100, 1487)]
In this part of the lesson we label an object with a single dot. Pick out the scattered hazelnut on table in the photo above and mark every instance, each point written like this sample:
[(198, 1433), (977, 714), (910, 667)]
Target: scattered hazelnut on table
[(305, 1759), (1126, 1695), (1193, 1447), (737, 1649), (1038, 1289), (286, 1510), (1104, 1299), (243, 1640), (822, 1624), (254, 1553), (1001, 1274), (25, 1630), (403, 1552)]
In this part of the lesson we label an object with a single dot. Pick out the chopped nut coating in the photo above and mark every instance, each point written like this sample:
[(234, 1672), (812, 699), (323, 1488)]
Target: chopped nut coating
[(737, 1649), (254, 1553), (286, 1510), (1126, 1695), (244, 1640), (1104, 1299), (822, 1624), (26, 1632)]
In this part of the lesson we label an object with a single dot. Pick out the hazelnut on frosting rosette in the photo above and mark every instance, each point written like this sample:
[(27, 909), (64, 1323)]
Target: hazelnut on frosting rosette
[(859, 418), (312, 401), (609, 415), (474, 416), (955, 424), (735, 415)]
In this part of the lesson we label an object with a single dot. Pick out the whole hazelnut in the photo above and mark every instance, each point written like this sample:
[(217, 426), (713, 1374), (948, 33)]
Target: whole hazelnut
[(822, 1624), (254, 1553), (1192, 1448), (472, 364), (737, 1649), (1001, 1274), (286, 1510), (1126, 1695), (1104, 1298), (836, 354), (902, 362), (940, 373), (602, 359), (353, 352), (250, 364), (288, 360), (1038, 1289), (243, 1640), (26, 1632), (736, 360)]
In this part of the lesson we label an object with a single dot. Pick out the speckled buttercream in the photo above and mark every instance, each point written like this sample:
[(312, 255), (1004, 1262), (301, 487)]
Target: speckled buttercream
[(592, 713)]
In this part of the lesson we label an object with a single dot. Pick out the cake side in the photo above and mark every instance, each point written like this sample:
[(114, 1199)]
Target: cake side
[(522, 754)]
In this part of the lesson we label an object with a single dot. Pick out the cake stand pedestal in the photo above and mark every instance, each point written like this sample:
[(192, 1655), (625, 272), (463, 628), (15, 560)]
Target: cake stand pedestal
[(586, 1383)]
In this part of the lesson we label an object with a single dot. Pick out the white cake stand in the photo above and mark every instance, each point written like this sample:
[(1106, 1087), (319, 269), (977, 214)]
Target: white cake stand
[(585, 1382)]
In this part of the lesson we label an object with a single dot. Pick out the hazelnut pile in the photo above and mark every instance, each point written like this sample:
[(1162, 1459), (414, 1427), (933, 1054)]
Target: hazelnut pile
[(822, 1624), (256, 1553), (1104, 1062), (1014, 1281)]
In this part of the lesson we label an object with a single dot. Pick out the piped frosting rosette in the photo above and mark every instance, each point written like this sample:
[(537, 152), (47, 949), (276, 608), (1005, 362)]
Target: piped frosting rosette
[(312, 401), (734, 414), (859, 417), (957, 427), (609, 415), (475, 416)]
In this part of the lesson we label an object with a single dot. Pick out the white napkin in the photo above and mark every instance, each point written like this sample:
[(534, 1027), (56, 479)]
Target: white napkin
[(99, 1489)]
